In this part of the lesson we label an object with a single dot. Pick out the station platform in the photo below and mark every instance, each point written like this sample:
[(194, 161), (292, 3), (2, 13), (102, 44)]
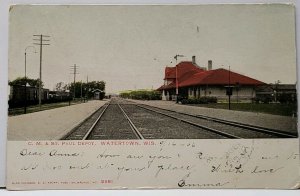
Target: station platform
[(50, 124), (284, 123)]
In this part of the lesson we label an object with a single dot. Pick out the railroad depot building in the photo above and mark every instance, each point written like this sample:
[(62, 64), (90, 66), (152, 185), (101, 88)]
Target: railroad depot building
[(194, 81)]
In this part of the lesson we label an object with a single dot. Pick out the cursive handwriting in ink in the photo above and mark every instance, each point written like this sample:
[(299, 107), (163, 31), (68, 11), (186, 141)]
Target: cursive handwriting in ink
[(157, 157), (31, 166), (81, 167), (257, 170), (293, 156), (128, 169), (106, 155), (227, 169), (182, 183), (55, 153), (171, 167), (26, 152)]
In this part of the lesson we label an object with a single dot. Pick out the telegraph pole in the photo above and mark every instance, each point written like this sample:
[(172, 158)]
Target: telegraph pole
[(41, 42), (74, 70), (230, 90), (87, 88), (81, 91)]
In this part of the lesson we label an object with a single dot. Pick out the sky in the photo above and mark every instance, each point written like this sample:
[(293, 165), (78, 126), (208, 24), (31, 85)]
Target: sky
[(129, 46)]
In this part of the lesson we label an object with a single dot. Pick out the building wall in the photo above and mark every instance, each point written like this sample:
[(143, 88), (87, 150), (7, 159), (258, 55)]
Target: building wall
[(169, 95), (244, 92), (17, 93)]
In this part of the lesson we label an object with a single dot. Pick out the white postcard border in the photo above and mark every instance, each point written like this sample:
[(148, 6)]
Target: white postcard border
[(3, 59)]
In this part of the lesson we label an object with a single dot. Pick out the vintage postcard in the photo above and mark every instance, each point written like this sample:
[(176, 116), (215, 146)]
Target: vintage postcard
[(152, 96)]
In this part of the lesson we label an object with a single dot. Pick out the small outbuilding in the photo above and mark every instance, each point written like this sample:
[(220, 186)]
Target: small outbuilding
[(98, 94)]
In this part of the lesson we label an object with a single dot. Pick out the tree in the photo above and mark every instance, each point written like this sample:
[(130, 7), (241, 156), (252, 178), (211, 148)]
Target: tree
[(22, 81), (61, 87), (86, 88), (93, 85)]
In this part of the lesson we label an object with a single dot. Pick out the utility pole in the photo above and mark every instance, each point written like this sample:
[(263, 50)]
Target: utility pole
[(74, 70), (230, 89), (41, 42), (25, 107), (276, 89), (237, 91), (81, 90), (87, 88)]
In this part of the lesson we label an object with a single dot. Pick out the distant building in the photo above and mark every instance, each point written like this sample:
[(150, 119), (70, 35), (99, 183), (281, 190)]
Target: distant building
[(17, 92), (17, 95), (284, 93), (98, 94), (195, 82), (59, 95)]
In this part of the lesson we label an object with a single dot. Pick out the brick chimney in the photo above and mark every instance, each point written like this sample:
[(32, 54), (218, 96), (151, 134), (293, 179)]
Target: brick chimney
[(194, 60), (209, 66)]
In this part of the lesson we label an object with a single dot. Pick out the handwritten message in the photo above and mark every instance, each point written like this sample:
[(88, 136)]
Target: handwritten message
[(153, 164)]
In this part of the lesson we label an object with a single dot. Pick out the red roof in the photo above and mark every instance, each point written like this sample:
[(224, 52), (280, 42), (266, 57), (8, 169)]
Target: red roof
[(191, 75), (182, 69), (170, 72)]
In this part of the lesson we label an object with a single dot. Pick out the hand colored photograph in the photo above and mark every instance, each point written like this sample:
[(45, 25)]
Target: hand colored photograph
[(152, 72)]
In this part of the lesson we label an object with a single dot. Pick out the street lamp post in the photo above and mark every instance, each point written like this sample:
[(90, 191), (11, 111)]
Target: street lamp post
[(25, 86)]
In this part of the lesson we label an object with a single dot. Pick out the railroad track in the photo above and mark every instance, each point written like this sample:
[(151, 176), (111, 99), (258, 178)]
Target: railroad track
[(251, 129), (108, 122), (123, 119), (225, 123)]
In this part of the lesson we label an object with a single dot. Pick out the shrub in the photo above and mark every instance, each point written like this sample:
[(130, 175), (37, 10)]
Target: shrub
[(184, 101), (286, 98), (142, 95), (262, 99), (201, 100)]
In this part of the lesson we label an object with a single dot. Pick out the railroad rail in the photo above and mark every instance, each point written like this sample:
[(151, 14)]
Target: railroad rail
[(88, 133), (135, 130), (81, 131)]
